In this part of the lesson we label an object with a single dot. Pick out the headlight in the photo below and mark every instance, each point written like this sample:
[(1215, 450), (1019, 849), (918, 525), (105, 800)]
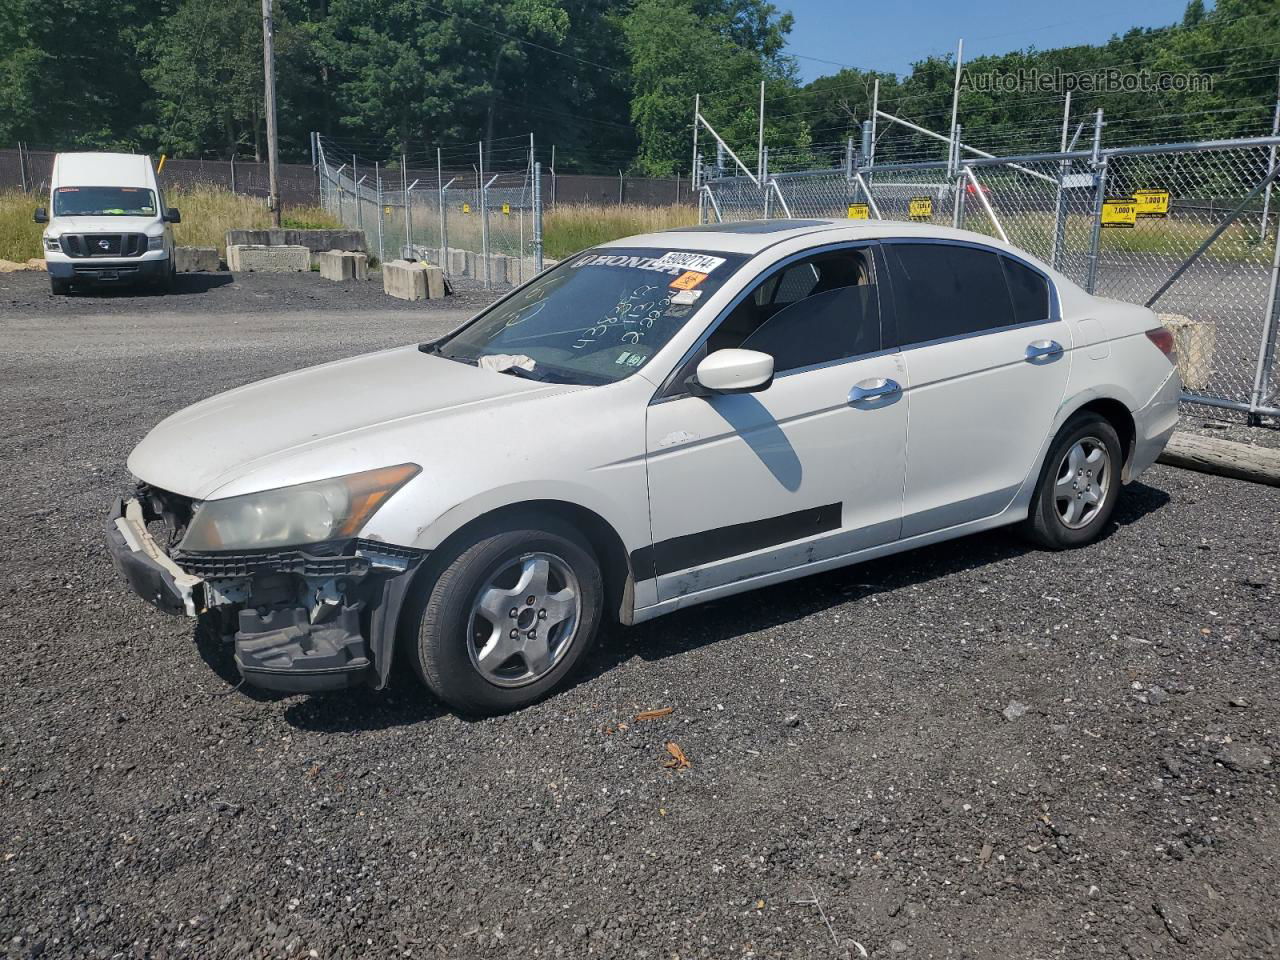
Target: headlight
[(51, 243), (291, 516), (155, 243)]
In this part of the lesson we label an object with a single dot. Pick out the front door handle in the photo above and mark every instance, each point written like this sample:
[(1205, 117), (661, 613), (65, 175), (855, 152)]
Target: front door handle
[(876, 389), (1044, 350)]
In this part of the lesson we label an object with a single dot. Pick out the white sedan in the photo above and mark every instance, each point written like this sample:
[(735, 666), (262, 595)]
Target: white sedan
[(656, 422)]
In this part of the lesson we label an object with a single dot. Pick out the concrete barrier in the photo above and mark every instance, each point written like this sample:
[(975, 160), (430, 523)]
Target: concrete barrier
[(457, 262), (412, 281), (317, 241), (255, 258), (1195, 342), (196, 259), (340, 265)]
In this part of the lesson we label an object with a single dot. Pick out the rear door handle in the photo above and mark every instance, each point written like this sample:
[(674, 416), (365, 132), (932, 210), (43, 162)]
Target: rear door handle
[(1044, 350), (874, 390)]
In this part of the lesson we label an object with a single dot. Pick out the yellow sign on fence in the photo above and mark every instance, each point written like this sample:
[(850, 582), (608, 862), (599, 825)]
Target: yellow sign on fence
[(387, 211), (506, 209), (1152, 203), (1120, 212), (920, 208), (466, 208), (859, 211)]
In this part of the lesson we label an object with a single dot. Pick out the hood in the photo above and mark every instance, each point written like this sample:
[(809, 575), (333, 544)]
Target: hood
[(103, 224), (340, 406)]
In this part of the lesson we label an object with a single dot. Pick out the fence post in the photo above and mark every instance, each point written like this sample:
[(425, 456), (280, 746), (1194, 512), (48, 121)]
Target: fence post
[(958, 200), (1099, 194), (1266, 199), (444, 225), (484, 221), (22, 170), (1267, 347), (355, 193), (408, 222), (1059, 211), (620, 188), (377, 192), (537, 217)]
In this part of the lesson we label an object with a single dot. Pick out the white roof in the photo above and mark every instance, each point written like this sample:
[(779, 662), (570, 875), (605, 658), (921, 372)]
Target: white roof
[(752, 236), (102, 170)]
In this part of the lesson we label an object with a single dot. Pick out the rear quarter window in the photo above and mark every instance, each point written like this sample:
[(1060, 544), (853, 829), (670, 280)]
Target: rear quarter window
[(1028, 290)]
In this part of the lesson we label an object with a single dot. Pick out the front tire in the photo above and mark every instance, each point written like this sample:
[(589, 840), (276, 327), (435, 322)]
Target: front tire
[(1079, 484), (508, 616)]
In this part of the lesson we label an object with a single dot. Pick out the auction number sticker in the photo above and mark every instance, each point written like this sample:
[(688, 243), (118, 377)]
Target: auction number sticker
[(688, 280), (859, 211), (1121, 212), (920, 208), (1152, 203), (700, 262)]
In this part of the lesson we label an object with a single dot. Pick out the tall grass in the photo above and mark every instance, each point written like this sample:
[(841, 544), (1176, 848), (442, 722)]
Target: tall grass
[(568, 228), (207, 214)]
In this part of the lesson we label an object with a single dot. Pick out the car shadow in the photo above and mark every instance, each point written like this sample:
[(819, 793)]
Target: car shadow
[(762, 609), (405, 702), (184, 284)]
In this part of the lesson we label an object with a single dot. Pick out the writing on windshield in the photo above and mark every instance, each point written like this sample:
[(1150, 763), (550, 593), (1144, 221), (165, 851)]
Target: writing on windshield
[(599, 316)]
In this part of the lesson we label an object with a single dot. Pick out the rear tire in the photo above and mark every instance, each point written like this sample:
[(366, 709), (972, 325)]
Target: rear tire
[(59, 287), (507, 615), (1079, 484)]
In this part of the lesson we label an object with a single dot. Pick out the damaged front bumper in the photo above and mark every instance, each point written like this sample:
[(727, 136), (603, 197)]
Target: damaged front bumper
[(301, 622)]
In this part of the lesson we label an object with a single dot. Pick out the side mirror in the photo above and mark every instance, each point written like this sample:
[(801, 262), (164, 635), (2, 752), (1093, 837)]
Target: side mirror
[(733, 371), (172, 215), (41, 215)]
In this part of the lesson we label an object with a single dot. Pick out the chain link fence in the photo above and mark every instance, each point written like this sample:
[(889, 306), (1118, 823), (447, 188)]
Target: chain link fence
[(479, 225), (1187, 229)]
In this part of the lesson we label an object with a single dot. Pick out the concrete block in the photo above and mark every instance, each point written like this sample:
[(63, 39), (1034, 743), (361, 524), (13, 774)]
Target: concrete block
[(435, 282), (1195, 342), (412, 281), (340, 265), (457, 262), (317, 241), (255, 258), (196, 259)]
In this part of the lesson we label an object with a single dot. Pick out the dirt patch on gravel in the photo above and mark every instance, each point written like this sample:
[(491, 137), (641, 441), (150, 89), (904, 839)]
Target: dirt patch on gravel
[(974, 750)]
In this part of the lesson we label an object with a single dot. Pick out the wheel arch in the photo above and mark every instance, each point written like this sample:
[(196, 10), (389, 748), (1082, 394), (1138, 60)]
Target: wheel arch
[(1118, 414), (610, 550)]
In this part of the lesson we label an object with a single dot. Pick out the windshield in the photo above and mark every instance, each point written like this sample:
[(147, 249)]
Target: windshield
[(597, 317), (103, 202)]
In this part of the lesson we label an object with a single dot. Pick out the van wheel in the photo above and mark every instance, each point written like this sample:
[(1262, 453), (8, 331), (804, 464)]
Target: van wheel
[(508, 617), (59, 286), (1079, 484)]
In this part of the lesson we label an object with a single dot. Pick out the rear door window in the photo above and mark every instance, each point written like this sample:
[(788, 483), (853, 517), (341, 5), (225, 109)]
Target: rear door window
[(946, 290)]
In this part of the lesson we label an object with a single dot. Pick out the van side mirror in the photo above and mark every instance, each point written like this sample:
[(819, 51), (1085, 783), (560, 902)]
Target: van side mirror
[(41, 215), (172, 215), (732, 371)]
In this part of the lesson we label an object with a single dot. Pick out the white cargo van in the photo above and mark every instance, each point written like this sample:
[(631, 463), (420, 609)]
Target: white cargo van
[(109, 222)]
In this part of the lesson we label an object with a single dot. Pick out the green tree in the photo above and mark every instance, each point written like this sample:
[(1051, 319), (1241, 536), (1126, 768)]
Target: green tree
[(206, 71), (66, 74), (721, 49)]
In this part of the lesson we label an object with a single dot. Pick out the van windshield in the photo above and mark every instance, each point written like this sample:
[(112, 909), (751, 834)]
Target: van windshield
[(104, 202), (597, 317)]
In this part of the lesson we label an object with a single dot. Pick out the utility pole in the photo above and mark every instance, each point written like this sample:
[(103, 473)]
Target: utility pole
[(269, 90)]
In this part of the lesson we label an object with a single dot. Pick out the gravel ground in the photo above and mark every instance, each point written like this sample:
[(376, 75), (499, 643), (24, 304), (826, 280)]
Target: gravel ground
[(973, 750)]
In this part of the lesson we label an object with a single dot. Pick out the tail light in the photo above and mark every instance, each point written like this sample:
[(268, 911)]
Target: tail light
[(1163, 339)]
